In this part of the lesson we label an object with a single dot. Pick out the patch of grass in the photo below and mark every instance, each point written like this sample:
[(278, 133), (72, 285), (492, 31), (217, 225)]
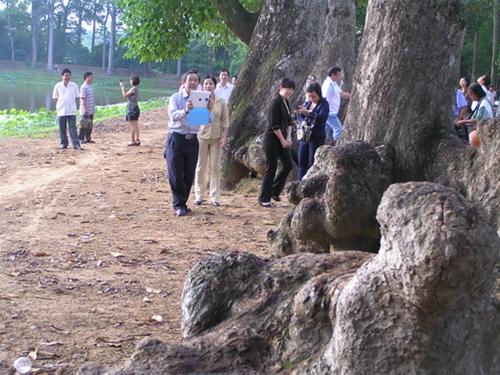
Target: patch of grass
[(21, 123), (101, 80)]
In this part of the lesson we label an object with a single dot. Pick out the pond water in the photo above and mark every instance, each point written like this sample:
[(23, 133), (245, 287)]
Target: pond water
[(34, 97)]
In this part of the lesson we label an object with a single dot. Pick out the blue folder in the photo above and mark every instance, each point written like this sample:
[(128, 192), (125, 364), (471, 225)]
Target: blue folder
[(198, 117)]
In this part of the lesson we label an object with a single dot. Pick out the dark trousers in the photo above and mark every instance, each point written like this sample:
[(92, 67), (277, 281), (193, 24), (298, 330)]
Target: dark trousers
[(306, 154), (272, 185), (85, 132), (182, 155), (68, 121)]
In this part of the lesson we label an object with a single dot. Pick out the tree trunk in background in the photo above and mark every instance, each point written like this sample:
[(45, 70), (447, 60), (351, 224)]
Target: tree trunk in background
[(94, 20), (112, 40), (475, 47), (50, 32), (104, 35), (35, 14), (337, 42), (179, 68), (278, 49), (413, 118), (79, 30), (10, 32), (494, 50)]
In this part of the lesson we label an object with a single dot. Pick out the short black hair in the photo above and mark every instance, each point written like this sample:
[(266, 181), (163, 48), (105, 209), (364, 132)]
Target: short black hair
[(135, 80), (87, 74), (214, 80), (477, 90), (225, 70), (334, 70), (65, 70), (287, 83), (314, 87), (192, 71), (487, 80)]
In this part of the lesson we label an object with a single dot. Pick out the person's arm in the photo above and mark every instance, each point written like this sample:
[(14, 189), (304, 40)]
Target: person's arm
[(128, 93), (55, 94), (176, 111), (225, 123), (345, 95), (83, 102)]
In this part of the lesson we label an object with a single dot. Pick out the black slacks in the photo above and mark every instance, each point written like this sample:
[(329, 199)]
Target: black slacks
[(273, 184), (182, 155)]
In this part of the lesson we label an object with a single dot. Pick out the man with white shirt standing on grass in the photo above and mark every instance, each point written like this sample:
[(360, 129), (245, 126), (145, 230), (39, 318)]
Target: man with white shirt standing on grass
[(333, 93), (224, 89), (66, 94)]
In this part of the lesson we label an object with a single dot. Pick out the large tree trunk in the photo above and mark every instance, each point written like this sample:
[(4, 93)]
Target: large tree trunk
[(412, 118), (425, 304), (50, 36), (112, 40), (285, 43), (337, 46)]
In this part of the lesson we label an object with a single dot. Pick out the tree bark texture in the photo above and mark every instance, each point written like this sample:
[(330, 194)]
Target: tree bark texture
[(423, 305), (285, 43), (401, 96), (337, 42)]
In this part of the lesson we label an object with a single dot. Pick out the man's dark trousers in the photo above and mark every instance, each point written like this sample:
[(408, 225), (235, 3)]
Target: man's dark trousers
[(182, 155), (68, 121)]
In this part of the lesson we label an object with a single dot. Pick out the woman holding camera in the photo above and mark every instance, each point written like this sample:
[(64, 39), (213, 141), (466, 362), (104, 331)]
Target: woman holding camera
[(311, 132), (133, 110), (277, 142), (212, 138)]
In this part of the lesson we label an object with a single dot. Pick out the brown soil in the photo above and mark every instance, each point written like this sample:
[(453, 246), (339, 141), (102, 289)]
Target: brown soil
[(90, 249)]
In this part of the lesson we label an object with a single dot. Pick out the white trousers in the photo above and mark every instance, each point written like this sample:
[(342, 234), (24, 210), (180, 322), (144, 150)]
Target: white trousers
[(209, 166)]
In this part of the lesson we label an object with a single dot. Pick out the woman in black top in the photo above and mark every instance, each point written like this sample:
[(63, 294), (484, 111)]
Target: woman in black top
[(314, 114), (277, 142)]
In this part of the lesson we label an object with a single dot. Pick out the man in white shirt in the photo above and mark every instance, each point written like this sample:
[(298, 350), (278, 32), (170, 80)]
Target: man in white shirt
[(224, 89), (332, 92), (66, 94)]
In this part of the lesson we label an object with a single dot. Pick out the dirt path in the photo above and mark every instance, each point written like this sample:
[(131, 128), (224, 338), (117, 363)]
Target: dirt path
[(90, 250)]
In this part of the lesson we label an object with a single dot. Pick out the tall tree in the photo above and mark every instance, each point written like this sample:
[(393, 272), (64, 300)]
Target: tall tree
[(50, 35), (35, 22), (112, 39), (104, 36), (10, 9)]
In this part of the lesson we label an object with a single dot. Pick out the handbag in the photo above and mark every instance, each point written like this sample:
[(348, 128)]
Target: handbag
[(85, 122), (304, 132)]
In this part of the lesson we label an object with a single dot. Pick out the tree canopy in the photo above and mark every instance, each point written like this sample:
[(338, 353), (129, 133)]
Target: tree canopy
[(161, 30)]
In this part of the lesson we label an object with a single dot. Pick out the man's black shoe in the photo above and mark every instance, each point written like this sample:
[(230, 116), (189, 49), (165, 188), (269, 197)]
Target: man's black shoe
[(180, 212)]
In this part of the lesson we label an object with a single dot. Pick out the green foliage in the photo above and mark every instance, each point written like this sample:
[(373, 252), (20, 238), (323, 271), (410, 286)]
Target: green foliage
[(162, 29), (21, 123)]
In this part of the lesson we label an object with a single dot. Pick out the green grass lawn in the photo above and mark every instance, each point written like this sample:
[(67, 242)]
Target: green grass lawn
[(101, 80), (21, 123)]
